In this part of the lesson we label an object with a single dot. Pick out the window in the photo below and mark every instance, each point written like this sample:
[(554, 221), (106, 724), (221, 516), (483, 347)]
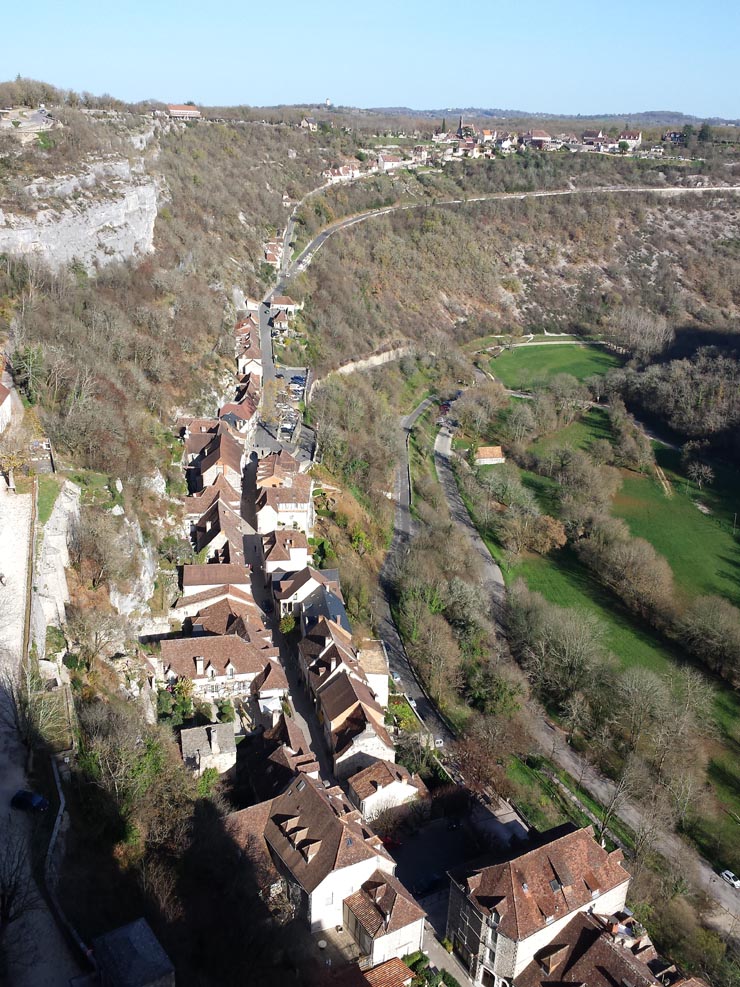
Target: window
[(231, 672)]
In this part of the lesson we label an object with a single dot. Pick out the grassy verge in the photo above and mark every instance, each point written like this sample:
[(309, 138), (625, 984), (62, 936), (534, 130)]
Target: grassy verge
[(49, 487)]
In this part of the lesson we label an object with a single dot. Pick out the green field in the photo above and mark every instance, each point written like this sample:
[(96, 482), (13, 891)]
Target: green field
[(700, 548), (524, 366), (49, 486)]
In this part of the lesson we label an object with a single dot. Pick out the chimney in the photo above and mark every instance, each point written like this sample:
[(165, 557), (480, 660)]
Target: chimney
[(199, 666), (213, 738)]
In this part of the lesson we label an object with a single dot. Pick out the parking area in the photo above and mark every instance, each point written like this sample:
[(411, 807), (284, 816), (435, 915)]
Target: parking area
[(291, 391), (424, 858)]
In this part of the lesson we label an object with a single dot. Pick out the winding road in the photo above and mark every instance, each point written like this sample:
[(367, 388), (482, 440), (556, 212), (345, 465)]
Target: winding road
[(727, 915), (403, 529), (289, 269)]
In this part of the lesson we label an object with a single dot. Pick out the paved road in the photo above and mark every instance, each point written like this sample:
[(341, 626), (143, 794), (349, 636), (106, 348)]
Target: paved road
[(403, 527), (289, 270), (493, 580), (553, 740), (268, 363)]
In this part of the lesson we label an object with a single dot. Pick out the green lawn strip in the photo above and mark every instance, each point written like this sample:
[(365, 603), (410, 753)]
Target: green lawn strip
[(523, 366), (618, 828), (49, 487)]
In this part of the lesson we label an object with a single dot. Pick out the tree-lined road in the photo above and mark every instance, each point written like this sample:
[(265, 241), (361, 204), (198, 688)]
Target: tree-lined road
[(403, 529)]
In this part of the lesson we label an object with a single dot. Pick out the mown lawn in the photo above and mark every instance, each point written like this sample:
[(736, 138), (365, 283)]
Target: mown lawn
[(524, 366), (700, 548)]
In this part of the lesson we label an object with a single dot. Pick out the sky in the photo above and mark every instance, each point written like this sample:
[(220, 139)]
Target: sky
[(586, 56)]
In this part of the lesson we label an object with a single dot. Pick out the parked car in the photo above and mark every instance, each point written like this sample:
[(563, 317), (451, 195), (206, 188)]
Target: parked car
[(395, 676), (731, 878), (412, 703), (439, 742), (29, 802)]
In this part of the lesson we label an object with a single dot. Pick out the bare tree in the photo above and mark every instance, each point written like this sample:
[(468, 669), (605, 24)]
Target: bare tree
[(18, 894), (700, 473)]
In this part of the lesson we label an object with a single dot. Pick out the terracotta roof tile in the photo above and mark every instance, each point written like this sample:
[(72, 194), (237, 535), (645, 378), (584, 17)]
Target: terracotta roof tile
[(548, 882), (218, 652), (379, 775), (382, 905)]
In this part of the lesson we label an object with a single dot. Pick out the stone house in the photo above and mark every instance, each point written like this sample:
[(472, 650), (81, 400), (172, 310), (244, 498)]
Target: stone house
[(219, 533), (383, 919), (318, 843), (197, 579), (294, 587), (489, 456), (501, 916), (289, 505), (211, 746), (284, 552), (384, 786), (219, 667)]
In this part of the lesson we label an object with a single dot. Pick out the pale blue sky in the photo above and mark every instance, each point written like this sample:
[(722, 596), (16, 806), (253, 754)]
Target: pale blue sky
[(615, 56)]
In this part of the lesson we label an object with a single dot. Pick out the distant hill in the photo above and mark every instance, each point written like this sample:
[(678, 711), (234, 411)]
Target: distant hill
[(648, 118)]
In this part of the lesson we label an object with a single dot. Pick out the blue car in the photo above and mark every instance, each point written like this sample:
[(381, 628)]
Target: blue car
[(29, 802)]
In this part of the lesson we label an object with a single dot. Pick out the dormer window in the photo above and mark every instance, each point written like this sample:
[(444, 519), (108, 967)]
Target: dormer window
[(211, 672), (549, 919), (230, 671)]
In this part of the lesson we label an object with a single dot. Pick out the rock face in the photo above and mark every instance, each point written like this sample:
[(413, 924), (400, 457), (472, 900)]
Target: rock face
[(108, 214), (142, 587)]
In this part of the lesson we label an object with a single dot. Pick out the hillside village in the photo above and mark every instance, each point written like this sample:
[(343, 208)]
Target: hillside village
[(304, 719), (535, 906)]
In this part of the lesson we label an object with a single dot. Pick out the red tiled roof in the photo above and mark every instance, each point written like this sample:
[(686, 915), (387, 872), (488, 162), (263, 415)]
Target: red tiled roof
[(271, 677), (379, 774), (215, 575), (548, 882), (584, 953), (237, 593), (382, 905), (315, 831), (198, 503), (218, 652)]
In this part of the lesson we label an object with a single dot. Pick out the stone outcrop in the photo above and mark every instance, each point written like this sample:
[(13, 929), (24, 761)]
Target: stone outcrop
[(104, 214)]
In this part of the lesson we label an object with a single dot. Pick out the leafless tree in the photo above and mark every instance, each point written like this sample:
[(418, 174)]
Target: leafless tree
[(18, 894)]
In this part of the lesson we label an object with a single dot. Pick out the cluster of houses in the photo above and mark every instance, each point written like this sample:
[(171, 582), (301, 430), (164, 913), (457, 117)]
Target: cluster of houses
[(468, 141), (554, 910), (250, 517)]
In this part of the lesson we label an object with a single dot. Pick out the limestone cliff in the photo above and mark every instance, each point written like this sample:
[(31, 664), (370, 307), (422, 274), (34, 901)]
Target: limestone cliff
[(104, 214)]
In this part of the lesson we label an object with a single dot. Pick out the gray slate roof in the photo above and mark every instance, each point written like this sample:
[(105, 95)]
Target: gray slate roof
[(131, 956), (323, 603)]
